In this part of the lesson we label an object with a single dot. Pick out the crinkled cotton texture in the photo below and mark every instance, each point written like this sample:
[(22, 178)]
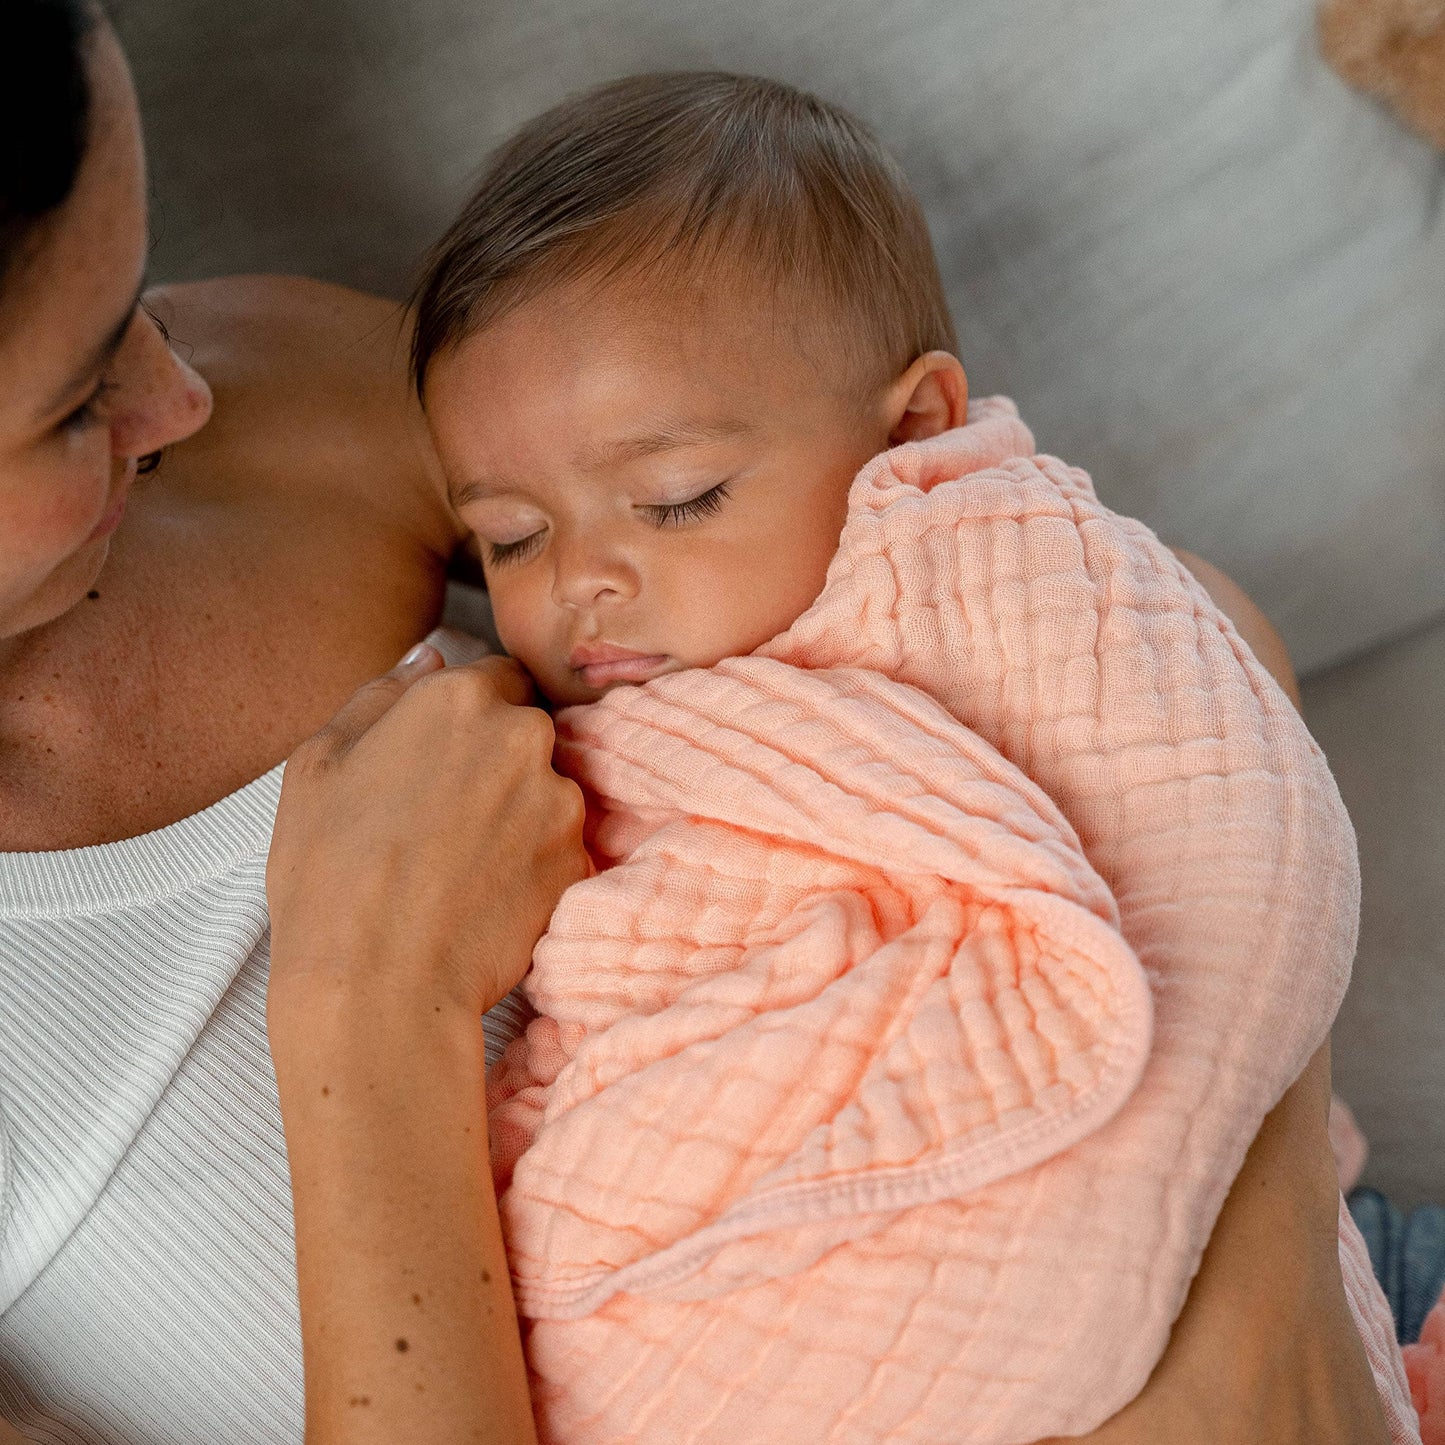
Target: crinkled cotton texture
[(952, 949)]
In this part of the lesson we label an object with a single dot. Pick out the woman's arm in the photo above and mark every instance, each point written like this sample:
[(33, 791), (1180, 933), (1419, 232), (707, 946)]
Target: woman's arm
[(421, 843), (408, 1324), (1265, 1348)]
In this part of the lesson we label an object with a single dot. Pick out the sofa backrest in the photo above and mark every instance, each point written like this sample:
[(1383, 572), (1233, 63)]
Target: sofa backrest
[(1206, 270)]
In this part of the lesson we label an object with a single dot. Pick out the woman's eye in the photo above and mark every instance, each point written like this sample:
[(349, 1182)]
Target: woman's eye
[(88, 413), (702, 506), (500, 553)]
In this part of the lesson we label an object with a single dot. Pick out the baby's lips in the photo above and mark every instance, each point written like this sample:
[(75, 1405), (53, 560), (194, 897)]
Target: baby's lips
[(592, 654)]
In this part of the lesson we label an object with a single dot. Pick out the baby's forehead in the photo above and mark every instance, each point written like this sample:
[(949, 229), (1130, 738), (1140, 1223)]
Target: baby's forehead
[(712, 344), (735, 325), (636, 376), (668, 432)]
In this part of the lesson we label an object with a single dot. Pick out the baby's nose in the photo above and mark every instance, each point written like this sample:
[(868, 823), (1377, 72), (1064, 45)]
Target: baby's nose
[(590, 577)]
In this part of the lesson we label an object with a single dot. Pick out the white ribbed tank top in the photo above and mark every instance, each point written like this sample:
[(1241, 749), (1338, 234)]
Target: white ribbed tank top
[(147, 1264)]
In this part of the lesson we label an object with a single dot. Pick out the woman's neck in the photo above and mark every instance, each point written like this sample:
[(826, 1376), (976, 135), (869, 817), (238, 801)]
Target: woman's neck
[(216, 645), (291, 550)]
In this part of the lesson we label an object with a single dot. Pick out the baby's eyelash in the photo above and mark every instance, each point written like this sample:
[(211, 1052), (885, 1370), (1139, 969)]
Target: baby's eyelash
[(667, 514), (675, 512), (500, 553)]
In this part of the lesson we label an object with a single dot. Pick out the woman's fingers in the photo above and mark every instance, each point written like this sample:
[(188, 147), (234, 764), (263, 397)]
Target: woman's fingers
[(511, 680), (422, 840), (374, 699), (370, 702)]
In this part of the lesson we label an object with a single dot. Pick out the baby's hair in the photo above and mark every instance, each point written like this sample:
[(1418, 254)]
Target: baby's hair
[(666, 174)]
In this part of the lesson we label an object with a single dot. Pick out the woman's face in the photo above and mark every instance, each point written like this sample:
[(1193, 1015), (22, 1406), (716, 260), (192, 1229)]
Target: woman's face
[(88, 385)]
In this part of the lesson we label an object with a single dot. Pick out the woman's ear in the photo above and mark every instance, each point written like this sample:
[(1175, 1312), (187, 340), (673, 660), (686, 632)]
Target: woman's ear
[(930, 398)]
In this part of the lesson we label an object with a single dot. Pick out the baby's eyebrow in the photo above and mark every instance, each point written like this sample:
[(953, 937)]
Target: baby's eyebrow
[(475, 491), (670, 434)]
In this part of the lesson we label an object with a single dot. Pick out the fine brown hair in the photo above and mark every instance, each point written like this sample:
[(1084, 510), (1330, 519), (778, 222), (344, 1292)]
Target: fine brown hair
[(665, 173)]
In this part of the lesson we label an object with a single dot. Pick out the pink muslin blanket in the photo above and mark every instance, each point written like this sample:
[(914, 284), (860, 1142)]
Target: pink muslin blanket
[(946, 955)]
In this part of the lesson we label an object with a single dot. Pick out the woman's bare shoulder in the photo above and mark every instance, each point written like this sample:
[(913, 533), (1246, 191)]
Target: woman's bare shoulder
[(272, 332), (311, 390)]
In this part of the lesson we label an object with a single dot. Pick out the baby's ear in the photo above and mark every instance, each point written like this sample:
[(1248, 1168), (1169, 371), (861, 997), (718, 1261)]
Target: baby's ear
[(930, 398)]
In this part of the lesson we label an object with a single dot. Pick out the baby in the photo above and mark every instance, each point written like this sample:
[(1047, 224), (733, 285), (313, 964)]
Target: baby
[(968, 892), (672, 326)]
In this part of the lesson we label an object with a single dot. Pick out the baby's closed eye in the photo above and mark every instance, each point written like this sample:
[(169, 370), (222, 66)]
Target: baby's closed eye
[(675, 513)]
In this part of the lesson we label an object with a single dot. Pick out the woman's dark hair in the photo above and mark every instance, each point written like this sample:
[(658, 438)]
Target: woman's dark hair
[(44, 113)]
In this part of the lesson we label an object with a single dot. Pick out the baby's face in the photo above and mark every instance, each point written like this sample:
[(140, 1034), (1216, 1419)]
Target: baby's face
[(653, 485)]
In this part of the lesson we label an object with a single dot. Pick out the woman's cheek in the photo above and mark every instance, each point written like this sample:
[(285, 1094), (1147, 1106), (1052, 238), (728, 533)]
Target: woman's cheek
[(58, 513)]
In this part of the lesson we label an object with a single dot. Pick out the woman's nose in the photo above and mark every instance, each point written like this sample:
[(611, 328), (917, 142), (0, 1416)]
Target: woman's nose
[(158, 399), (590, 573)]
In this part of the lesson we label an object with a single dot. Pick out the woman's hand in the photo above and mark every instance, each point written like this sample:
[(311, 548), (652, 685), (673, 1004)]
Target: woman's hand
[(421, 842)]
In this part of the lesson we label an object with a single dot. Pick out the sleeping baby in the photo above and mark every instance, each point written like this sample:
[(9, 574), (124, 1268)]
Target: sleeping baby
[(967, 892)]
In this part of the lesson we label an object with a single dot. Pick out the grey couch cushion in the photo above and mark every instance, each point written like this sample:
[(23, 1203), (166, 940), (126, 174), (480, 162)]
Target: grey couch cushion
[(1206, 270), (1380, 722)]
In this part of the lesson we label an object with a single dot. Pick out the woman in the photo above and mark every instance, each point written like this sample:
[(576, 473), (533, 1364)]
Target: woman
[(163, 646)]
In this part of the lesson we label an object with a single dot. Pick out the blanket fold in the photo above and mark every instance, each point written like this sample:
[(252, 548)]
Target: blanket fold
[(946, 956)]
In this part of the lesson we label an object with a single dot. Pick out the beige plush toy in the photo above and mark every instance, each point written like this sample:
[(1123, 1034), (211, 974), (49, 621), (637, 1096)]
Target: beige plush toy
[(1394, 49)]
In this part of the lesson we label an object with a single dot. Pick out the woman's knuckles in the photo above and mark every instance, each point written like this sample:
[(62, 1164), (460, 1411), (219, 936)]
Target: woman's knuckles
[(571, 811), (529, 730)]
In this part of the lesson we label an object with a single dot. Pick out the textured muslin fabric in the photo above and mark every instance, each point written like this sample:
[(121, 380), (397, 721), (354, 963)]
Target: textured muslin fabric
[(957, 942), (1350, 1147), (147, 1267)]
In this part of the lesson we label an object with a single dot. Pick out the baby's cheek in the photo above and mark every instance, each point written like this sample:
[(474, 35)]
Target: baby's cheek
[(794, 585), (739, 610), (521, 616), (510, 622)]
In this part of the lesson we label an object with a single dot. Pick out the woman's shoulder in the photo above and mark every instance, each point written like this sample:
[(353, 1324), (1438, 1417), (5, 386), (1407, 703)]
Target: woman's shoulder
[(286, 337), (312, 395)]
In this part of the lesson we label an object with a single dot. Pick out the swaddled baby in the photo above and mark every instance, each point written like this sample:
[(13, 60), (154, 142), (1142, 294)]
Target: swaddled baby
[(967, 891)]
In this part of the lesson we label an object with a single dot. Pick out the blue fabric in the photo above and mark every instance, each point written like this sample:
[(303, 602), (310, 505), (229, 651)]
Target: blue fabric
[(1408, 1253)]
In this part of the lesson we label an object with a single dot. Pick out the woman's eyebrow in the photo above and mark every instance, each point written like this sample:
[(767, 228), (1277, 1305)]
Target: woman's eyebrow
[(99, 357)]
